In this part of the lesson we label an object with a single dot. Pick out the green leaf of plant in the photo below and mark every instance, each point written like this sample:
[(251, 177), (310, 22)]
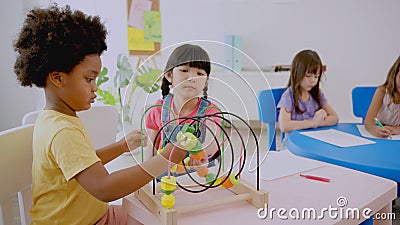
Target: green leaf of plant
[(102, 78), (148, 81), (106, 97)]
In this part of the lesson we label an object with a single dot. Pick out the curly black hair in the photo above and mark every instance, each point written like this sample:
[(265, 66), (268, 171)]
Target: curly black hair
[(56, 39)]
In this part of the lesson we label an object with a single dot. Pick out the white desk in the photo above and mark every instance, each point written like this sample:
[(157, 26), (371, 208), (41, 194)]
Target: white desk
[(288, 192)]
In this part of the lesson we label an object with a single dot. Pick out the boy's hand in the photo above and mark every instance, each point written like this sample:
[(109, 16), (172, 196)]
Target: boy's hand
[(134, 140)]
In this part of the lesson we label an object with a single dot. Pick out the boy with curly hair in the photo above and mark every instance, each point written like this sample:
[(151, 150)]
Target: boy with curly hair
[(59, 50)]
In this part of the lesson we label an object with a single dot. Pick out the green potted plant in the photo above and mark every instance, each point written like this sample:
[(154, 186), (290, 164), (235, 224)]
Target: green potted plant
[(127, 80)]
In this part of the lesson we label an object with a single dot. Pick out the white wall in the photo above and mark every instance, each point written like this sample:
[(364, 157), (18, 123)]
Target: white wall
[(15, 101), (357, 39)]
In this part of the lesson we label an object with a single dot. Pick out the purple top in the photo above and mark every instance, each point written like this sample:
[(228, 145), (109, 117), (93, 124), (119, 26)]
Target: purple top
[(308, 107)]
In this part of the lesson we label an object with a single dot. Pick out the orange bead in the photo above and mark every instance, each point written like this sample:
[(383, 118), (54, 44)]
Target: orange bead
[(198, 156), (202, 172), (180, 169), (227, 183)]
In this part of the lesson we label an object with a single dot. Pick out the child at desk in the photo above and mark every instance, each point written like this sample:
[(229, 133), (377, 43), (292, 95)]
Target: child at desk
[(385, 105), (186, 72), (59, 50), (302, 104)]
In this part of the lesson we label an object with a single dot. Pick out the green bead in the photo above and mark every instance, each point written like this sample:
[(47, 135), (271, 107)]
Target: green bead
[(167, 192), (196, 149), (210, 178), (187, 128)]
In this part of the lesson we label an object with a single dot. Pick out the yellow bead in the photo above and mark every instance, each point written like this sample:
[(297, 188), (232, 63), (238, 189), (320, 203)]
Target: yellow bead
[(160, 150), (168, 201), (218, 181), (189, 143), (186, 161), (168, 184), (173, 168)]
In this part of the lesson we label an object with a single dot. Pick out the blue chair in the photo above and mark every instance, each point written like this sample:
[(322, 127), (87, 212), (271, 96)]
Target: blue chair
[(267, 101), (361, 99)]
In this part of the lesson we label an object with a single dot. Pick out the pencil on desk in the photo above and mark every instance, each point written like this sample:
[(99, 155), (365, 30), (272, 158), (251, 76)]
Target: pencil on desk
[(311, 177)]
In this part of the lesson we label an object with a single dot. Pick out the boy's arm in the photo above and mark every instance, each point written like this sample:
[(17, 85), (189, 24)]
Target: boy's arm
[(150, 150), (109, 187)]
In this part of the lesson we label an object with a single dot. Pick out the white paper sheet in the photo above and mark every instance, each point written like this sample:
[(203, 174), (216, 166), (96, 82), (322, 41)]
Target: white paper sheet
[(283, 163), (367, 134), (338, 138)]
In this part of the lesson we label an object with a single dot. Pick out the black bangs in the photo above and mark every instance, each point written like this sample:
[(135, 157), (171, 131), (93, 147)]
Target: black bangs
[(204, 65), (191, 55)]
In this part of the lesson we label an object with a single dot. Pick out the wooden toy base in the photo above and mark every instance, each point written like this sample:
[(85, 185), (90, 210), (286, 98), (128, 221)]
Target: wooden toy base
[(242, 191)]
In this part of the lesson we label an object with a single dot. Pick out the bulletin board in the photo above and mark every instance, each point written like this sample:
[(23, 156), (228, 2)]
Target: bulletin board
[(144, 27)]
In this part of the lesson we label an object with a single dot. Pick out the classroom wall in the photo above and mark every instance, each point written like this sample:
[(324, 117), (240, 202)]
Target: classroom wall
[(357, 39), (15, 101)]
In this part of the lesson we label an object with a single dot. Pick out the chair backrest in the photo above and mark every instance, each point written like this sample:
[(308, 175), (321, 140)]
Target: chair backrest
[(268, 113), (101, 123), (361, 99), (16, 174)]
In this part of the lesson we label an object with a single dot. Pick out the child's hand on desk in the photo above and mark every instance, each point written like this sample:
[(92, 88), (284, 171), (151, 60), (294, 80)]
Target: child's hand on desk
[(134, 140), (382, 132), (319, 116), (393, 129)]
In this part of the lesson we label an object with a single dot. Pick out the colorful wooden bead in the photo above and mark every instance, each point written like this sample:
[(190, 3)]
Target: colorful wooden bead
[(198, 156), (168, 183), (189, 143), (227, 183), (173, 168), (187, 128), (196, 149), (168, 201), (233, 179), (210, 178), (218, 182), (180, 169), (202, 172), (160, 150)]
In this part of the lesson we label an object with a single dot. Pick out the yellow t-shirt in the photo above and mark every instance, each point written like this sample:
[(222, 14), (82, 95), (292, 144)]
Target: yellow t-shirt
[(62, 149)]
